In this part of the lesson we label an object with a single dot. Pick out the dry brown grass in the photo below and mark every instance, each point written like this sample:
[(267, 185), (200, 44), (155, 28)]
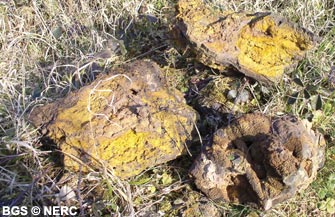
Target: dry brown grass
[(48, 48)]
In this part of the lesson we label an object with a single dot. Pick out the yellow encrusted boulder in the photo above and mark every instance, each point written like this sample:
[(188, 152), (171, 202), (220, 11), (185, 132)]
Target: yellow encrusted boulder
[(260, 161), (128, 120), (260, 45)]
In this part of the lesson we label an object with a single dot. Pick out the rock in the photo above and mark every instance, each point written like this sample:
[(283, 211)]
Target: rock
[(201, 209), (128, 120), (260, 45), (259, 160)]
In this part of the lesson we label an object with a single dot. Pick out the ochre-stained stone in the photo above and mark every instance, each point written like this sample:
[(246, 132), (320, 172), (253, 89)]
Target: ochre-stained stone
[(259, 160), (260, 45), (128, 120)]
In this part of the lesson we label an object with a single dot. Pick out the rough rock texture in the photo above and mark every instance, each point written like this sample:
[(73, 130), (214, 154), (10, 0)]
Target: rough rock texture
[(259, 160), (128, 120), (201, 209), (260, 45)]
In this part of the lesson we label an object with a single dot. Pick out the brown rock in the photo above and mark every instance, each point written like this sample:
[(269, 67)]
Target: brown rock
[(260, 45), (127, 120), (201, 209), (260, 160)]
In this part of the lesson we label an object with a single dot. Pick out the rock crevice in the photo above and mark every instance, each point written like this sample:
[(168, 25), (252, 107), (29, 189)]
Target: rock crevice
[(259, 160)]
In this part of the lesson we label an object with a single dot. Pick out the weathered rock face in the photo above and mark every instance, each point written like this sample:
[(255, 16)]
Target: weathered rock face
[(260, 45), (259, 160), (128, 120)]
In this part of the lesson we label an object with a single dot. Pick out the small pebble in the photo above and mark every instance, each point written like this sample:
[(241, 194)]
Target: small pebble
[(232, 94)]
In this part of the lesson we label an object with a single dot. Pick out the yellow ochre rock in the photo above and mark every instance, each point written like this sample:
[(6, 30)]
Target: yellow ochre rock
[(127, 120), (259, 160), (260, 45)]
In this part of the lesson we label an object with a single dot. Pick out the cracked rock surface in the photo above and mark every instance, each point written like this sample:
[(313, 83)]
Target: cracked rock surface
[(128, 120), (259, 160), (260, 45)]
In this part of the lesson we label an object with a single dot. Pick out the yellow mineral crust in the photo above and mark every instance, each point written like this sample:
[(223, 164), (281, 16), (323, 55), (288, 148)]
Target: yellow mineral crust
[(268, 49), (260, 45), (127, 120)]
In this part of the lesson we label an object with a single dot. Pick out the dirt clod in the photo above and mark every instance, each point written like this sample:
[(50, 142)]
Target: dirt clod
[(259, 160)]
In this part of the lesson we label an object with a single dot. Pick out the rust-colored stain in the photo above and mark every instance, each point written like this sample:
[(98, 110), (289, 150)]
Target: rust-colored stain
[(260, 161), (128, 120), (260, 45)]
